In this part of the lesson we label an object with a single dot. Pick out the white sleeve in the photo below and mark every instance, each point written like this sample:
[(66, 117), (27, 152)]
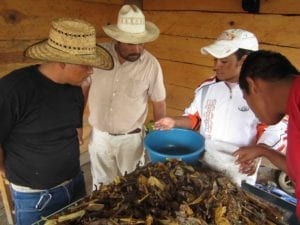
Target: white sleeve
[(275, 136), (195, 105)]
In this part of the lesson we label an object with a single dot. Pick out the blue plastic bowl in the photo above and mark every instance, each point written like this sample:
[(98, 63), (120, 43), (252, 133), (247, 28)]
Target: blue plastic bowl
[(182, 144)]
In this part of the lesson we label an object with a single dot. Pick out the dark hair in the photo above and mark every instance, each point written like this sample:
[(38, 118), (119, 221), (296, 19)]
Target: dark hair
[(241, 52), (266, 65)]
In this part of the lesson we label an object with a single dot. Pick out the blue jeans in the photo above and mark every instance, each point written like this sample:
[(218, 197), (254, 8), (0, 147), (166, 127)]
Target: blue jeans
[(30, 207)]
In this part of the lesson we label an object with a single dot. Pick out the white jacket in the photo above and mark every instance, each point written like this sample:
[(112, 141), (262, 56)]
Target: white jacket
[(226, 118)]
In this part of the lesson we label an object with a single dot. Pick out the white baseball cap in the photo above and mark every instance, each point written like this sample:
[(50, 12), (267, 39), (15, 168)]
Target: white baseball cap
[(229, 42)]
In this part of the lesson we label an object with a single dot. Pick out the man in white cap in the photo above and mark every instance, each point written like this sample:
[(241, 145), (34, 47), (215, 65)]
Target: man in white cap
[(222, 114), (41, 109), (118, 99)]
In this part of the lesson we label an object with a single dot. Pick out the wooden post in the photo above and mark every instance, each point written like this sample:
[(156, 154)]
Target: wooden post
[(6, 199)]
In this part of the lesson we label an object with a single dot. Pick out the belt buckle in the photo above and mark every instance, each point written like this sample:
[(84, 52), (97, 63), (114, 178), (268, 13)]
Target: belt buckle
[(135, 131), (115, 134)]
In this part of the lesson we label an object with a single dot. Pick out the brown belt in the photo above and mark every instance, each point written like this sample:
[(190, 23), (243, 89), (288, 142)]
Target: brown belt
[(135, 131)]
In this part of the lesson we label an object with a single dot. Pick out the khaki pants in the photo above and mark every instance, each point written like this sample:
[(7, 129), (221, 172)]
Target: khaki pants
[(112, 156)]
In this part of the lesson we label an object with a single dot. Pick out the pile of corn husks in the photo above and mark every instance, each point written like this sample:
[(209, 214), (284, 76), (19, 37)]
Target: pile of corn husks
[(169, 193)]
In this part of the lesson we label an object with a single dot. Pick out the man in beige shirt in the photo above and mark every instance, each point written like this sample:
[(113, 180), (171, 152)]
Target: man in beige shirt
[(118, 99)]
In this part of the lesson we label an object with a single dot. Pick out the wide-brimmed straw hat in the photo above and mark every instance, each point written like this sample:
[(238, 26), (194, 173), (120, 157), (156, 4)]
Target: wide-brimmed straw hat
[(71, 41), (230, 41), (132, 27)]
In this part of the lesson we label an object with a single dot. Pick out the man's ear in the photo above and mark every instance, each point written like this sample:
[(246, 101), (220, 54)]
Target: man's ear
[(253, 89), (241, 61), (62, 65)]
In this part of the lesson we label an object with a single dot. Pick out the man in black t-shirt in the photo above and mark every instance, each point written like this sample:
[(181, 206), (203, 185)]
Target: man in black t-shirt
[(41, 110)]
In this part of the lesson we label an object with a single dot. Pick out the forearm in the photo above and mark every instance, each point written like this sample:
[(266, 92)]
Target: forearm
[(183, 122), (159, 110), (277, 158), (250, 153)]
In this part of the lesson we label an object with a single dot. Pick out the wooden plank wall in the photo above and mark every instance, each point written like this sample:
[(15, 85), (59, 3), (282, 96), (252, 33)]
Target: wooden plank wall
[(187, 25)]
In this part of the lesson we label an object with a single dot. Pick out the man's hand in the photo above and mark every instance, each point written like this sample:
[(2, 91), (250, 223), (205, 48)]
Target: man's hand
[(249, 153), (246, 158), (165, 123), (80, 135), (248, 168), (2, 170)]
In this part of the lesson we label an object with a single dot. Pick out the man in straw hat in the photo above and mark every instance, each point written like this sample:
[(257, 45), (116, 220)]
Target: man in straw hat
[(41, 108), (118, 99), (221, 114)]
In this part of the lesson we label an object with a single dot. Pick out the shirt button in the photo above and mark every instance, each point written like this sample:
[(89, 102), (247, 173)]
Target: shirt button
[(114, 94), (117, 80), (110, 109)]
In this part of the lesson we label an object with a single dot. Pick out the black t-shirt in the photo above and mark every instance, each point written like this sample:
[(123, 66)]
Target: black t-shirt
[(38, 121)]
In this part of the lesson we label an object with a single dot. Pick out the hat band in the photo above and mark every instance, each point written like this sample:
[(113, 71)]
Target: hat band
[(132, 20), (72, 35), (131, 24), (72, 49)]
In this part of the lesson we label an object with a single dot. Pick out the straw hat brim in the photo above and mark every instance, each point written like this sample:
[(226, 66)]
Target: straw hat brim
[(150, 34), (43, 51)]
